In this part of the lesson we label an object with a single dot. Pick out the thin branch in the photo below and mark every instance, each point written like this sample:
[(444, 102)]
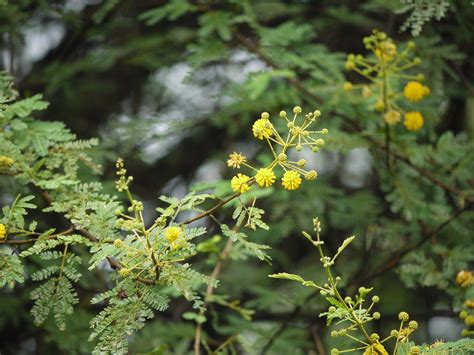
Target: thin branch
[(209, 211), (210, 291)]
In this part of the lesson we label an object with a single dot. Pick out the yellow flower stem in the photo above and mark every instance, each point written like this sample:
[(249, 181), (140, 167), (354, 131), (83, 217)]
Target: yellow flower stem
[(357, 70), (294, 166), (371, 305), (278, 136), (249, 166), (271, 148), (407, 66), (336, 291), (356, 339), (398, 337), (386, 339)]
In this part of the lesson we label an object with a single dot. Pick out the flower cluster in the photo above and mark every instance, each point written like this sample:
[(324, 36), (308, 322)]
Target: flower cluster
[(465, 280), (123, 181), (385, 70), (298, 136), (353, 314)]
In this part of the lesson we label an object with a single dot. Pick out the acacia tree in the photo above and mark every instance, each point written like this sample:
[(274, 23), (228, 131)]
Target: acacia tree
[(119, 259)]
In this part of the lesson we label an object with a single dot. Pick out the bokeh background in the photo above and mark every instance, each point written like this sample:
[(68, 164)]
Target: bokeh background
[(173, 92)]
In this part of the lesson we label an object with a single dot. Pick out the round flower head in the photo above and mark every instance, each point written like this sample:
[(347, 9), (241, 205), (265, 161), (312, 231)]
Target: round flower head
[(379, 106), (297, 109), (392, 117), (235, 159), (350, 65), (403, 316), (347, 86), (291, 180), (172, 233), (265, 177), (262, 128), (3, 231), (6, 161), (311, 175), (413, 121), (118, 243), (386, 50), (239, 183), (414, 91)]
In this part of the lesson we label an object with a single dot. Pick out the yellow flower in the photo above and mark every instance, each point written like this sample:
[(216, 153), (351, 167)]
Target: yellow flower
[(291, 180), (239, 183), (379, 106), (172, 234), (413, 121), (386, 50), (262, 128), (347, 86), (118, 243), (297, 109), (235, 159), (265, 177), (350, 65), (375, 349), (463, 278), (6, 161), (3, 231), (392, 117), (311, 175), (414, 91)]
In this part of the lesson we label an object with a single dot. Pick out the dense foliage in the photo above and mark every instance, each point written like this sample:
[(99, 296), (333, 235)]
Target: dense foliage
[(226, 129)]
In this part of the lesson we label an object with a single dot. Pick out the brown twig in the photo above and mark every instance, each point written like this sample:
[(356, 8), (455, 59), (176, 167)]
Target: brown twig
[(209, 211), (210, 291)]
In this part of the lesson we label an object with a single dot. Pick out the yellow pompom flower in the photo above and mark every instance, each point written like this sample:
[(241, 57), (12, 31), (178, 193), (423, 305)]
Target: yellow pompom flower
[(413, 121), (235, 159), (239, 183), (265, 177), (172, 234), (414, 91), (291, 180), (311, 175), (262, 128), (6, 161), (392, 117), (347, 86), (379, 106), (387, 50), (3, 231)]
